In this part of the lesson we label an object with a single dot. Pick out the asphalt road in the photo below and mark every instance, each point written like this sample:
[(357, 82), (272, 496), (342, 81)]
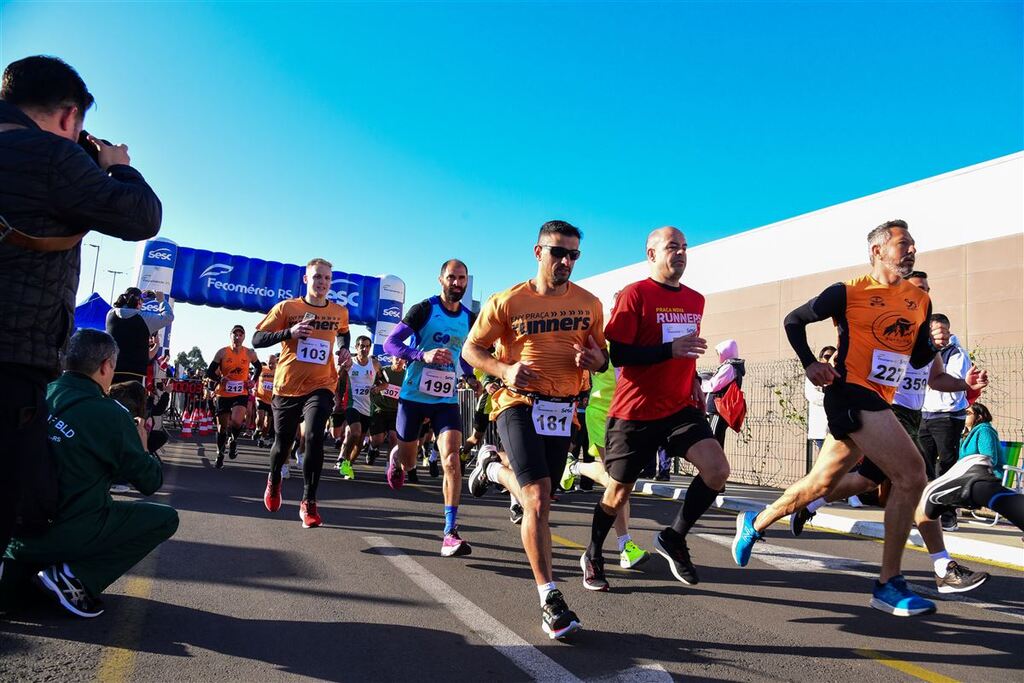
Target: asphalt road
[(240, 594)]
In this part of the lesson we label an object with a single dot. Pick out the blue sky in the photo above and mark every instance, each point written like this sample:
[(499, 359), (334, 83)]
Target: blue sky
[(388, 137)]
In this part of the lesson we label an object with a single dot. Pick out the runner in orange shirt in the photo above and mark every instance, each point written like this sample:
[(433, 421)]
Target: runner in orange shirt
[(264, 395), (229, 372), (305, 379), (550, 333)]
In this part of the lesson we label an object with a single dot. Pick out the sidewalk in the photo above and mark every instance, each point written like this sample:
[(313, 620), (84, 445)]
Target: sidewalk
[(1001, 544)]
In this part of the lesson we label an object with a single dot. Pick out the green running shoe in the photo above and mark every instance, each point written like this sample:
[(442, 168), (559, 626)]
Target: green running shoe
[(345, 470), (632, 556), (569, 475)]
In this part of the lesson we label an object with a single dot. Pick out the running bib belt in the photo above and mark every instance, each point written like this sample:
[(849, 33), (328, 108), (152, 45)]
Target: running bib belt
[(234, 367), (648, 313), (552, 418), (541, 331), (306, 365), (435, 327)]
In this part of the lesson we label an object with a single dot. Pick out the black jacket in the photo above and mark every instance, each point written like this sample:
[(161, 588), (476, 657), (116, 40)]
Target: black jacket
[(50, 187)]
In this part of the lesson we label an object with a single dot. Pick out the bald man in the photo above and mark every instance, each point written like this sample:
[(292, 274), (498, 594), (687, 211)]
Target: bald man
[(654, 337)]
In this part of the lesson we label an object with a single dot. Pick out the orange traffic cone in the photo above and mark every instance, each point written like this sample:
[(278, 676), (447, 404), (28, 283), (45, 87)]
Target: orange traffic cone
[(186, 424)]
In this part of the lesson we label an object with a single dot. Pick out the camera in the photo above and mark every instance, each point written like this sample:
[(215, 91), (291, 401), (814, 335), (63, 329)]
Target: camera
[(90, 147)]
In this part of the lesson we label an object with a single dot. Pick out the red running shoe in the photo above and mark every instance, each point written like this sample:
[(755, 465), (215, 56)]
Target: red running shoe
[(395, 475), (272, 496), (308, 514)]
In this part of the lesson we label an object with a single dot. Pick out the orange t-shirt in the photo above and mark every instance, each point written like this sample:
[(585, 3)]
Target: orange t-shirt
[(540, 331), (306, 365), (234, 367), (265, 389)]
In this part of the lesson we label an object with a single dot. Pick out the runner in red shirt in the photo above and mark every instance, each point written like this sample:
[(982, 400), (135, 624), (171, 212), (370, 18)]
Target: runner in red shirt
[(654, 333)]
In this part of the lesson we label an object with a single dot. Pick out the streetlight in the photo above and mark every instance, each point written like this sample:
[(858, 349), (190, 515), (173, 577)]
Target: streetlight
[(95, 264), (115, 273)]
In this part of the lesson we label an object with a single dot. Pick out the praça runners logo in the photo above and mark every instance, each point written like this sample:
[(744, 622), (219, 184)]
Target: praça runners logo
[(894, 331), (213, 272), (550, 321)]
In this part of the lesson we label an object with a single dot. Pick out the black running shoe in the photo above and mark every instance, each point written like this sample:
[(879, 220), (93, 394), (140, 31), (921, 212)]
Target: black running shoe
[(478, 481), (68, 592), (953, 489), (433, 468), (220, 460), (948, 520), (959, 579), (798, 519), (232, 448), (678, 556), (593, 573), (558, 620), (371, 455), (515, 513), (412, 477)]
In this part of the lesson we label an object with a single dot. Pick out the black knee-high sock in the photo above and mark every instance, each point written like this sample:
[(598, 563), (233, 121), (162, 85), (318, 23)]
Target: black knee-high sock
[(222, 440), (235, 432), (599, 529), (1010, 505), (699, 497)]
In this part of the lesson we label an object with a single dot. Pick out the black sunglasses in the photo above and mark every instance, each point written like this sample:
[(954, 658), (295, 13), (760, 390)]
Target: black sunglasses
[(561, 252)]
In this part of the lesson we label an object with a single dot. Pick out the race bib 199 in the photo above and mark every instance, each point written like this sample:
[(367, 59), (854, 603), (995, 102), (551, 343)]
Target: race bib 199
[(669, 331), (887, 367), (552, 419), (234, 386), (440, 383), (313, 350)]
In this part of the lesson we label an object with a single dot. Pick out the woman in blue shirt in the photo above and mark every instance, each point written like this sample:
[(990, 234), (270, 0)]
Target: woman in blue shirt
[(981, 437)]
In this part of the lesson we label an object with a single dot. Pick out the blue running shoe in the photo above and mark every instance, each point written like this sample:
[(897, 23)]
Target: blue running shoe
[(895, 597), (746, 536)]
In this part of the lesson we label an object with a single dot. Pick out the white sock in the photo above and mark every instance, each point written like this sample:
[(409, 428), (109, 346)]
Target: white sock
[(512, 502), (623, 540), (940, 560), (492, 471), (815, 504), (543, 589)]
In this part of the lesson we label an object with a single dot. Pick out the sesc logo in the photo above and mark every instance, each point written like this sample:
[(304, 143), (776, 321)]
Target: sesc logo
[(393, 312), (160, 254), (339, 296), (216, 270)]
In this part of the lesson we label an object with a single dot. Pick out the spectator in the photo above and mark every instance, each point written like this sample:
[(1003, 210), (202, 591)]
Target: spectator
[(981, 437), (731, 370), (53, 193), (133, 328), (817, 424), (93, 540), (944, 413)]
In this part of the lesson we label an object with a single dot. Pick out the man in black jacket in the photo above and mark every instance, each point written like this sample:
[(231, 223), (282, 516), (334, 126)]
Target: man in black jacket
[(51, 193)]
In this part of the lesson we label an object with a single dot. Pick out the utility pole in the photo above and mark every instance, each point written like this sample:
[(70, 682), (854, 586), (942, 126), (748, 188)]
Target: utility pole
[(113, 282), (95, 265)]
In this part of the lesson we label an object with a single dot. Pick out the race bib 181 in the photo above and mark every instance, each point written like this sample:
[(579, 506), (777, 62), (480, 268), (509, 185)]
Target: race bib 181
[(552, 419)]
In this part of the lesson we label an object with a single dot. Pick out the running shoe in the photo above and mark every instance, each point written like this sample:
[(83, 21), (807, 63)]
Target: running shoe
[(959, 579), (953, 489), (515, 513), (371, 455), (412, 477), (593, 573), (309, 515), (948, 521), (745, 538), (345, 470), (678, 555), (895, 597), (558, 620), (798, 519), (454, 546), (272, 496), (219, 463), (433, 468), (632, 556), (68, 592), (569, 474), (120, 488), (395, 475), (232, 448), (478, 481)]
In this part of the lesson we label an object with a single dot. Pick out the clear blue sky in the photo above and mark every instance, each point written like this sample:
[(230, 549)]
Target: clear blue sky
[(389, 137)]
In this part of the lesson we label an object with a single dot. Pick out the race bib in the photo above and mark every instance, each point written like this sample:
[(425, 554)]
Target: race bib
[(234, 387), (552, 419), (391, 391), (669, 331), (362, 391), (438, 383), (887, 367), (268, 385), (313, 350), (915, 379)]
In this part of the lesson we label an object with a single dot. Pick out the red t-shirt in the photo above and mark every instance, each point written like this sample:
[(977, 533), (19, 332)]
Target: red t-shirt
[(647, 313)]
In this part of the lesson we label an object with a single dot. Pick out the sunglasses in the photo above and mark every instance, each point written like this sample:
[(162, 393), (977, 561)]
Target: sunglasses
[(561, 252)]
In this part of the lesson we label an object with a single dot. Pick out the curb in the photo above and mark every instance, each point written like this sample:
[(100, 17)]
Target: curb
[(965, 547)]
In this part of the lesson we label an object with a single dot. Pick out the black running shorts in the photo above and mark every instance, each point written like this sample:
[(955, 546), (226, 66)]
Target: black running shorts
[(843, 403), (261, 405), (352, 416), (630, 445), (224, 404), (382, 422), (531, 456)]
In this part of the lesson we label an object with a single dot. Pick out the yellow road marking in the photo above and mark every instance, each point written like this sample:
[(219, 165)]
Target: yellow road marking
[(561, 540), (117, 662), (906, 667)]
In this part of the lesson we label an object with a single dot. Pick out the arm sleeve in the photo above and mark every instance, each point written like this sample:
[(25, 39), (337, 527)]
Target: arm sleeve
[(157, 320), (831, 303), (622, 330), (116, 202), (211, 371), (395, 344), (344, 340), (631, 354), (262, 340), (257, 368), (923, 352)]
